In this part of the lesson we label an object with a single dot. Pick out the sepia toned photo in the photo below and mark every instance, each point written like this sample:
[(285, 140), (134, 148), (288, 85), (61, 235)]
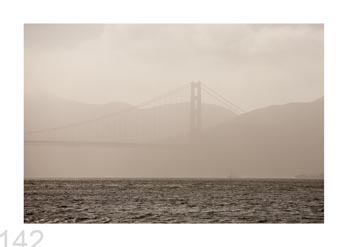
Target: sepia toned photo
[(173, 123)]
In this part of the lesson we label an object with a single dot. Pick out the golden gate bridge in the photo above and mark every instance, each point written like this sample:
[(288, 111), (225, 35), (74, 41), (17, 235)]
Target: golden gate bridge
[(135, 127)]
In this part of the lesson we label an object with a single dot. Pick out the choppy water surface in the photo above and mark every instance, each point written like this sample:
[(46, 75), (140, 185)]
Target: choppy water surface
[(173, 201)]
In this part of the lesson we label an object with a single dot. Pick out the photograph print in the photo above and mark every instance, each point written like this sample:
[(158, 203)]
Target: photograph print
[(173, 123)]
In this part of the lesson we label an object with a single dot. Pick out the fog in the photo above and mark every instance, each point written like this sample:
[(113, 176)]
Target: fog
[(255, 65), (75, 73)]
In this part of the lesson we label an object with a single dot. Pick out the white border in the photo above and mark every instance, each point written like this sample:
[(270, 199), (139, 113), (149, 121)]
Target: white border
[(335, 16)]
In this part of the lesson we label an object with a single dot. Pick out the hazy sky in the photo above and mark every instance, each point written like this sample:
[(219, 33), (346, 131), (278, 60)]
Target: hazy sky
[(252, 65)]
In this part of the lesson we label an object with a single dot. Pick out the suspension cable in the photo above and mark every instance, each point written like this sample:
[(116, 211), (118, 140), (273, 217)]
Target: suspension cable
[(239, 109), (126, 110), (233, 110)]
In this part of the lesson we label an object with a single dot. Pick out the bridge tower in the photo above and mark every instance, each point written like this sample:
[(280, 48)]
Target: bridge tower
[(195, 110)]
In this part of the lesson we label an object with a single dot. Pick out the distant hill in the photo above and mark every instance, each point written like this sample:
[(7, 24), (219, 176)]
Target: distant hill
[(276, 141), (145, 124), (47, 111)]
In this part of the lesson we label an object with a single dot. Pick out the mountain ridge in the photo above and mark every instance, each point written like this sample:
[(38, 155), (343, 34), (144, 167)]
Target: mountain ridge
[(277, 141)]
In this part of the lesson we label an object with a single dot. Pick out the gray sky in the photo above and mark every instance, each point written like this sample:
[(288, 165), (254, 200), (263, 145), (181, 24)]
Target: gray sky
[(252, 65)]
